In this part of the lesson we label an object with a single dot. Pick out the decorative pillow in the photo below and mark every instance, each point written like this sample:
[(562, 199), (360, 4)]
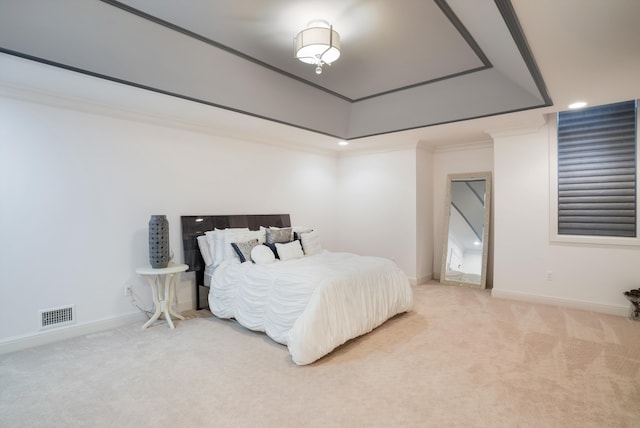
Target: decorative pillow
[(220, 243), (291, 250), (311, 243), (299, 230), (262, 255), (203, 244), (279, 235), (273, 249), (243, 249), (239, 235), (260, 235)]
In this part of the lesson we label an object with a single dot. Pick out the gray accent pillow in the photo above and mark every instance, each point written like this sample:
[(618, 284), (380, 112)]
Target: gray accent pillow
[(280, 236), (243, 249)]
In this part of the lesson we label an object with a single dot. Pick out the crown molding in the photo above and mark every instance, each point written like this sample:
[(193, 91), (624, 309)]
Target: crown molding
[(381, 148), (457, 147), (536, 122), (91, 106)]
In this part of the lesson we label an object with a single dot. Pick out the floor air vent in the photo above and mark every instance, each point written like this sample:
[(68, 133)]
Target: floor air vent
[(57, 317)]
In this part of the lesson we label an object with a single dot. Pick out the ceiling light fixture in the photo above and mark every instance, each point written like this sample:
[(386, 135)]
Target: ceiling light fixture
[(318, 44), (343, 143)]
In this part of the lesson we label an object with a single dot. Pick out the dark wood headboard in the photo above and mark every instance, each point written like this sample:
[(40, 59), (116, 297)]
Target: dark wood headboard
[(196, 225)]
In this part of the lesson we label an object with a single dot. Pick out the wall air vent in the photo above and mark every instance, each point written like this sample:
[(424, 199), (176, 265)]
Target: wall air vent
[(57, 317)]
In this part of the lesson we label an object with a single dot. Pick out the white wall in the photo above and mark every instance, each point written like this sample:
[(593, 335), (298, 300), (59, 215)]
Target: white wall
[(77, 191), (587, 277), (424, 215), (472, 262), (454, 160), (377, 200)]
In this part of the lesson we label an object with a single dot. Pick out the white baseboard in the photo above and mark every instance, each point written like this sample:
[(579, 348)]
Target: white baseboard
[(413, 281), (566, 303), (421, 280), (49, 336)]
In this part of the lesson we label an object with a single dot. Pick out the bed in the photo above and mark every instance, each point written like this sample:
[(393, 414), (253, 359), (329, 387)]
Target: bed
[(309, 299)]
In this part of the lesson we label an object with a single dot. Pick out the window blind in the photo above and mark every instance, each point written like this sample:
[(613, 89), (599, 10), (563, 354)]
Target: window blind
[(597, 171)]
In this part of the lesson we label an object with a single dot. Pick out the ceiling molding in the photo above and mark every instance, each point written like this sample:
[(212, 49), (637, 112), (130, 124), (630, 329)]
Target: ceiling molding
[(417, 85), (123, 112), (156, 90), (381, 148), (450, 14), (511, 19), (457, 147)]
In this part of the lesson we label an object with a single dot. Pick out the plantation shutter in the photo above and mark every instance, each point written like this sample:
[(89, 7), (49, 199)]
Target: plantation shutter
[(597, 171)]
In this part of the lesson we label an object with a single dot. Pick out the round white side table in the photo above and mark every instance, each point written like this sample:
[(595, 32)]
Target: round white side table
[(162, 299)]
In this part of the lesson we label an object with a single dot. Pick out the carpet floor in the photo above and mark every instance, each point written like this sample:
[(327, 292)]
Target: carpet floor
[(459, 358)]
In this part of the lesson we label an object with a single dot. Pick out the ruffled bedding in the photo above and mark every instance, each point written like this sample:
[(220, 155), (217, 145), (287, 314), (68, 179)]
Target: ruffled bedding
[(312, 304)]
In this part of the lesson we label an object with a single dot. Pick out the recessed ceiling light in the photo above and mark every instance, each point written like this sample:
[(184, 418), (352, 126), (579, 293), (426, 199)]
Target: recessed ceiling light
[(343, 143), (577, 104)]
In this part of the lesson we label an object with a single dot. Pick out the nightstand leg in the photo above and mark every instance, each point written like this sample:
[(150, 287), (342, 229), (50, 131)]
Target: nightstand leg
[(153, 281), (171, 298), (166, 303)]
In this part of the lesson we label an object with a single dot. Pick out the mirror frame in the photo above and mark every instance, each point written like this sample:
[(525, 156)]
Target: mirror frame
[(485, 235)]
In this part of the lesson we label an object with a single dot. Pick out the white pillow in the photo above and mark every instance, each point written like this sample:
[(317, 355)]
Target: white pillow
[(218, 245), (219, 239), (203, 244), (210, 234), (290, 250), (301, 229), (311, 243), (262, 255)]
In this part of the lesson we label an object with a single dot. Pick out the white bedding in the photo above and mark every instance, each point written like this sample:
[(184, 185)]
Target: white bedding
[(312, 304), (208, 273), (455, 275)]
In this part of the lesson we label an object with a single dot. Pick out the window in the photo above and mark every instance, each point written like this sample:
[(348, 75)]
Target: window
[(596, 177)]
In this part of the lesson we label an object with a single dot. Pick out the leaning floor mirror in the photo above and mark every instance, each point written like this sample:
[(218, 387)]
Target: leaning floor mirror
[(466, 235)]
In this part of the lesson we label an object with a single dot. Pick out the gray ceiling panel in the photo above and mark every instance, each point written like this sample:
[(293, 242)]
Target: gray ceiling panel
[(404, 64), (440, 102)]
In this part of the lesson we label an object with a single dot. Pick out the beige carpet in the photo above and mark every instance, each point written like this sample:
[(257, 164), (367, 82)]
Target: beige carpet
[(460, 358)]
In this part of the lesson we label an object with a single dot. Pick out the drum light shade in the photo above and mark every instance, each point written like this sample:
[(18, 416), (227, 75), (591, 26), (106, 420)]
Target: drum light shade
[(317, 45)]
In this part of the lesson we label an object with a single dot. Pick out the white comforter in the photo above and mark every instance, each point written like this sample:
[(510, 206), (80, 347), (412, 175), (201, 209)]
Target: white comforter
[(312, 304)]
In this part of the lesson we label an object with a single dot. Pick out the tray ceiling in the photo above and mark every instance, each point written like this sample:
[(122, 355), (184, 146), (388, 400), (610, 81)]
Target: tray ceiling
[(405, 64), (386, 45)]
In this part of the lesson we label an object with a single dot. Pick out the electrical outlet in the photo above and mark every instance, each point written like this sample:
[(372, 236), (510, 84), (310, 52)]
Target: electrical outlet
[(549, 275), (127, 290)]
